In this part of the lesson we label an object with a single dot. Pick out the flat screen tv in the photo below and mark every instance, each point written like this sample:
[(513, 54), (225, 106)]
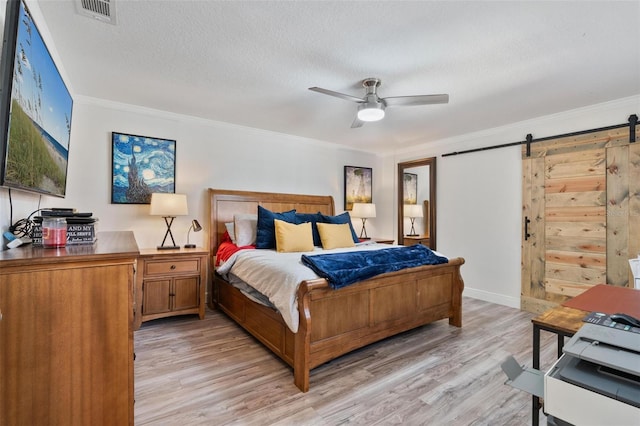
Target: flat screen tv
[(35, 109)]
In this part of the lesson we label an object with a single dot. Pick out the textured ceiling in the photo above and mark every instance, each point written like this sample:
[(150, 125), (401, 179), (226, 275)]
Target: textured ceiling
[(250, 62)]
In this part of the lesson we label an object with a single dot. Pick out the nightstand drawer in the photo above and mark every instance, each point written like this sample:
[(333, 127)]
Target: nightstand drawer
[(172, 267), (420, 239)]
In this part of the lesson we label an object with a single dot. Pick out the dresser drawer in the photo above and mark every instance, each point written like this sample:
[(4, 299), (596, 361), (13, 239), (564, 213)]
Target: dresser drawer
[(171, 267)]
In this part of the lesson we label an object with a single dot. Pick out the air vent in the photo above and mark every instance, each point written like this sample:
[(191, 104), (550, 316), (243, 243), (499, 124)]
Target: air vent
[(102, 10)]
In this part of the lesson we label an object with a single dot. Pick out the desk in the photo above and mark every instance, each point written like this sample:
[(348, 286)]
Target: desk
[(565, 321)]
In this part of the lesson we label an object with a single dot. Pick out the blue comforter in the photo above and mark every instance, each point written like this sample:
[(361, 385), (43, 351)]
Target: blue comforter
[(342, 269)]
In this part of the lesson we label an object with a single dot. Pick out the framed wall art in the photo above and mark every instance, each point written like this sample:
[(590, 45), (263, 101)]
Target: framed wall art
[(357, 186), (140, 166), (410, 188)]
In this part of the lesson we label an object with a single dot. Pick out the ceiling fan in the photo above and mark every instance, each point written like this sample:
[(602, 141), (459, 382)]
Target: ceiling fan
[(371, 107)]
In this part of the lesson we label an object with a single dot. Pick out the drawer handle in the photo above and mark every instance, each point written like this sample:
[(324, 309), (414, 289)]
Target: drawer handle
[(172, 267)]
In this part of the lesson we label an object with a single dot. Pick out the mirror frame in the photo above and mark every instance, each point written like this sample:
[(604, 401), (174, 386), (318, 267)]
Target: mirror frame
[(431, 162)]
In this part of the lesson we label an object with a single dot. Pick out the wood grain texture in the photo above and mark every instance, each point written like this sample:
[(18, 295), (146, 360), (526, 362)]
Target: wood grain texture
[(575, 193), (576, 199), (587, 215), (534, 287), (525, 244), (618, 216), (576, 184), (223, 204), (634, 200), (572, 214), (170, 282), (583, 142), (212, 372), (568, 165), (577, 244), (577, 275), (66, 337)]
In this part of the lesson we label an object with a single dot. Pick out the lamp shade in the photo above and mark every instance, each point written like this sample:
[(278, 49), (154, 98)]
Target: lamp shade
[(413, 210), (168, 205), (195, 225), (363, 210)]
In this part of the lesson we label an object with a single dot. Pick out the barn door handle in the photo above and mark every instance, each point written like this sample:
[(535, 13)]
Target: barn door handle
[(527, 221)]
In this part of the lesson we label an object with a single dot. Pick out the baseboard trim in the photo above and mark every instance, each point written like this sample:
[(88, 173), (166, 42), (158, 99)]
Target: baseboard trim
[(500, 299)]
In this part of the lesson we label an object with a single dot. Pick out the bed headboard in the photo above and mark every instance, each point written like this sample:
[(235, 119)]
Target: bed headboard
[(223, 204)]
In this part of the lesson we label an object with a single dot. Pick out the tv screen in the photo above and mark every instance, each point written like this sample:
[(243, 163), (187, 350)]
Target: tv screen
[(35, 109)]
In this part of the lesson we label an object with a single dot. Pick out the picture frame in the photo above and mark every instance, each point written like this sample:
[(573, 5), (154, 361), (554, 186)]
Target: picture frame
[(410, 188), (140, 166), (358, 186)]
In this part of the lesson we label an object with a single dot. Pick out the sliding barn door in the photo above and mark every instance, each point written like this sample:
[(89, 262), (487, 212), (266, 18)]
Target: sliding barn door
[(581, 215)]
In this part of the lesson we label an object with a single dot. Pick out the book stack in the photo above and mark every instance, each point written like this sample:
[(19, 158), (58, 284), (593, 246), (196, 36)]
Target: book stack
[(81, 227)]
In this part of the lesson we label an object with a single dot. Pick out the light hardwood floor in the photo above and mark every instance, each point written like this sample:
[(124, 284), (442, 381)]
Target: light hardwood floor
[(210, 372)]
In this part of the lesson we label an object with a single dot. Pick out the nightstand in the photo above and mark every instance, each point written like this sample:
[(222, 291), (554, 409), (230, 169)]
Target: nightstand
[(170, 282), (381, 240), (418, 239)]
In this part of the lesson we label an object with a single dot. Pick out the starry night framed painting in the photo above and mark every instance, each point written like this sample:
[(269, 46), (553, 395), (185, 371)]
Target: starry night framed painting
[(141, 165)]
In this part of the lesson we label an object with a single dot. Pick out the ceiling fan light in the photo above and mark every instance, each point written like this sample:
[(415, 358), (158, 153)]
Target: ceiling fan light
[(370, 112)]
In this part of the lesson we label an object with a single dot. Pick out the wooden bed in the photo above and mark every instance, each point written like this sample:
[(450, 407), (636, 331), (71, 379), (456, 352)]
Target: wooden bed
[(332, 322)]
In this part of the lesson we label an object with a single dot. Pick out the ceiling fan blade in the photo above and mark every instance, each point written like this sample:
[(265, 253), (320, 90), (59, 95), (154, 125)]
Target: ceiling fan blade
[(336, 94), (416, 100), (357, 123)]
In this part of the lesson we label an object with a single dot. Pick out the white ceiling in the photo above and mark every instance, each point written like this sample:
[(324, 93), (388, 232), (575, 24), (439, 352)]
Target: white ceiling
[(251, 62)]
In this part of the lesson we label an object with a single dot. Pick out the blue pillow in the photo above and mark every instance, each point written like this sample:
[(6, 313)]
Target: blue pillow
[(313, 218), (340, 219), (266, 232)]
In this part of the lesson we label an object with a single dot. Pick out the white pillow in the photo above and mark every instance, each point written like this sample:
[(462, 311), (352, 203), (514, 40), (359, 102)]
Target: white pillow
[(245, 229), (231, 231)]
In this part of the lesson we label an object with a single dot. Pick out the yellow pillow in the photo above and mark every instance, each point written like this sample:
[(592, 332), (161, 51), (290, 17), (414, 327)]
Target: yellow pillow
[(335, 236), (292, 238)]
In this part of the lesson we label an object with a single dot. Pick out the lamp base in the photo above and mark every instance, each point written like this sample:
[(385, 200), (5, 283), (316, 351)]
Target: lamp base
[(412, 235), (189, 246), (168, 247)]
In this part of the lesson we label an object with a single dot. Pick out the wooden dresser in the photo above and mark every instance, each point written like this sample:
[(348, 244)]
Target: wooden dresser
[(66, 333)]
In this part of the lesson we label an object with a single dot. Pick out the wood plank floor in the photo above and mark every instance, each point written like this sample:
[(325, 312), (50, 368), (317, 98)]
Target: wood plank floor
[(211, 372)]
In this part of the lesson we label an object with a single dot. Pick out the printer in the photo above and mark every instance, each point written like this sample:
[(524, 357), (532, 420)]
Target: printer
[(597, 379)]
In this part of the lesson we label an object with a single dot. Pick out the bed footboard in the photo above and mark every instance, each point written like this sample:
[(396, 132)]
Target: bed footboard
[(334, 322)]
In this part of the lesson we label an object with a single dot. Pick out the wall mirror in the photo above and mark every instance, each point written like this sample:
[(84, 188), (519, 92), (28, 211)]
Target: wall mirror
[(417, 202)]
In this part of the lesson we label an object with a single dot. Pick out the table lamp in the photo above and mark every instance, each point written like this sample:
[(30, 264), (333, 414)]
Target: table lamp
[(363, 211), (412, 211), (196, 228), (168, 206)]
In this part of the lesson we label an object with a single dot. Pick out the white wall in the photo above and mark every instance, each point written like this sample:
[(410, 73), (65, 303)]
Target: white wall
[(208, 154), (479, 195)]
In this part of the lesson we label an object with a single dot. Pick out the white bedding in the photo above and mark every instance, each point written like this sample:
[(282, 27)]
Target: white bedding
[(278, 275)]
